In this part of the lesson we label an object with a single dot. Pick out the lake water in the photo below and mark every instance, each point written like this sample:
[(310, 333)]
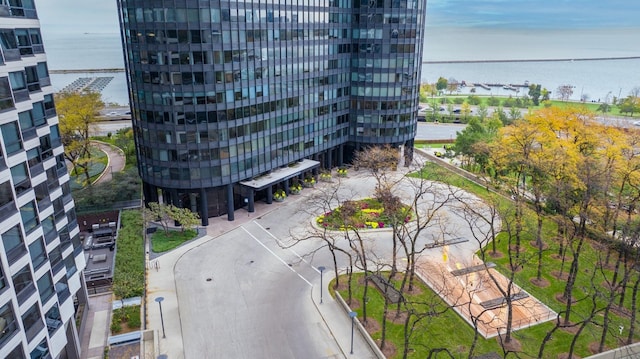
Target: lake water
[(596, 80)]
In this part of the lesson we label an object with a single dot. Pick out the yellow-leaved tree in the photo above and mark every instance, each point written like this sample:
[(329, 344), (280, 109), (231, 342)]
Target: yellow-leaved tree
[(77, 111)]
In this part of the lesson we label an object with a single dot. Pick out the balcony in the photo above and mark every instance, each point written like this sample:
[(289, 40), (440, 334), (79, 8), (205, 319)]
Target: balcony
[(16, 253), (20, 95), (63, 291), (29, 133), (25, 293), (11, 54), (53, 319), (34, 329), (10, 328), (8, 210)]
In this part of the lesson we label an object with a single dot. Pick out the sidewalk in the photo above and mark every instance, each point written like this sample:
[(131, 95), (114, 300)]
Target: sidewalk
[(161, 283), (116, 161), (94, 337)]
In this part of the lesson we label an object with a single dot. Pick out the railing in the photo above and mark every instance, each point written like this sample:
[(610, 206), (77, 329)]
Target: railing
[(16, 253), (34, 329), (8, 210), (135, 203)]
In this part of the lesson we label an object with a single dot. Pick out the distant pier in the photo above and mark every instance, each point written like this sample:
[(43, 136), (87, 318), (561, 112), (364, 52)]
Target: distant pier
[(93, 84), (533, 60), (86, 71), (488, 86)]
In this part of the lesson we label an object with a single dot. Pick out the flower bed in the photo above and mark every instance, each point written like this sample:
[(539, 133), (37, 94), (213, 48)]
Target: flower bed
[(367, 213), (279, 195), (296, 188), (309, 182)]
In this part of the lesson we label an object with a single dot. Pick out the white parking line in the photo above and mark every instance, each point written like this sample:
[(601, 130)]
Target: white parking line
[(282, 245), (278, 257)]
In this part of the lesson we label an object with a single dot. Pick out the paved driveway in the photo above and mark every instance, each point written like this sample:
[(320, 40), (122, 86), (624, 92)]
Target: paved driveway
[(240, 298)]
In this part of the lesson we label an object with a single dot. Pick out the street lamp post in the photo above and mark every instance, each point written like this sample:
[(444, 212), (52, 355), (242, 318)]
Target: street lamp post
[(353, 316), (321, 269), (159, 300)]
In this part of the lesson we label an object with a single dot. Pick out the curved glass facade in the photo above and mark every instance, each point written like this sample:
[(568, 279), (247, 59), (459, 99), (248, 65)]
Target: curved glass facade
[(385, 70), (225, 91)]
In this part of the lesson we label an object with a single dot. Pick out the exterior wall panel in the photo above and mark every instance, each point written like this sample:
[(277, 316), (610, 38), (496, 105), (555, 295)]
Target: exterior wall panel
[(24, 86)]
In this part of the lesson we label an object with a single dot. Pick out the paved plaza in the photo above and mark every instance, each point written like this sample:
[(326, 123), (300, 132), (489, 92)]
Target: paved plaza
[(247, 289)]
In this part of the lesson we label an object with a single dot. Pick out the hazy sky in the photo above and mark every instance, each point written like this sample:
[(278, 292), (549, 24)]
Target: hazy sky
[(101, 15), (65, 16), (543, 14)]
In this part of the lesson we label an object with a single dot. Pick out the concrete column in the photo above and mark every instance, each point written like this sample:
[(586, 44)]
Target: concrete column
[(166, 196), (175, 200), (269, 194), (204, 207), (193, 202), (340, 155), (285, 184), (251, 204), (329, 164), (230, 207), (146, 192), (408, 153)]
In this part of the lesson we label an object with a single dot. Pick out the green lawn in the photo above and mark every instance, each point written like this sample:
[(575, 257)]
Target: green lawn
[(98, 164), (431, 145), (162, 241), (447, 330), (484, 99)]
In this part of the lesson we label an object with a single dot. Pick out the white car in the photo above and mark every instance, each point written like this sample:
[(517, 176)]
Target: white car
[(636, 123)]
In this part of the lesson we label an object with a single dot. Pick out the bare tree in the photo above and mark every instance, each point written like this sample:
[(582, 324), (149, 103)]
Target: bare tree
[(565, 92)]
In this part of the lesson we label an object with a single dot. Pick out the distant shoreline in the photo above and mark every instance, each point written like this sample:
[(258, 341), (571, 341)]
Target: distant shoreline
[(533, 60)]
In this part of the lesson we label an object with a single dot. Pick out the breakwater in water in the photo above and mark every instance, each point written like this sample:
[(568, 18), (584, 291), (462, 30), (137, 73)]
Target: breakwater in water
[(86, 71), (533, 60)]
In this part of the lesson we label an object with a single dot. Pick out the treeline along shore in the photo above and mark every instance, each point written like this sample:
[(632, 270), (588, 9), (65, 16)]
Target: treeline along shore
[(533, 60)]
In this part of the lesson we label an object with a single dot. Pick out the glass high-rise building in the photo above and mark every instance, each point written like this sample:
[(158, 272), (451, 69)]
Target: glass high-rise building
[(41, 257), (234, 99)]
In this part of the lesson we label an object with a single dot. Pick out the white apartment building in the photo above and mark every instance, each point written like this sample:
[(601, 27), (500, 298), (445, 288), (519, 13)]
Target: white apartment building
[(41, 258)]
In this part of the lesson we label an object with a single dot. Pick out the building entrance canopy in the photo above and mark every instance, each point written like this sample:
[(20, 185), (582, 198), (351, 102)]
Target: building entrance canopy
[(280, 174)]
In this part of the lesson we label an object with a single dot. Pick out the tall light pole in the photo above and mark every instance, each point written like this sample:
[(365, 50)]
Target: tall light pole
[(159, 300), (353, 316), (321, 269)]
